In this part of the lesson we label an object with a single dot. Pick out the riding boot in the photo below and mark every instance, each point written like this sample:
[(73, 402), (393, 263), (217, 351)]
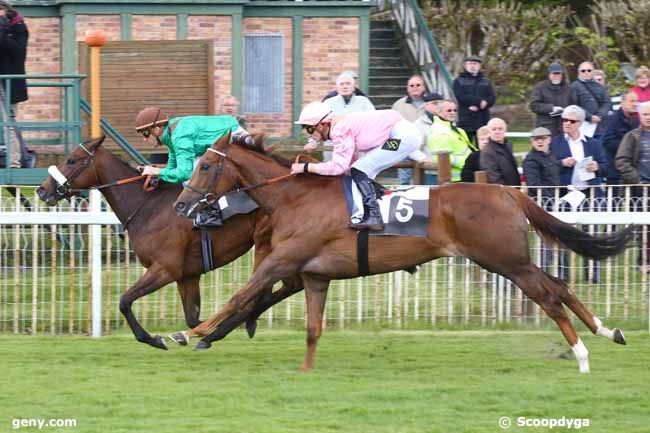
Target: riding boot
[(210, 217), (372, 216)]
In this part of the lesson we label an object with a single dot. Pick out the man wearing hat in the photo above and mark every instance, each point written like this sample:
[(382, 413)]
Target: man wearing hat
[(541, 167), (549, 99), (475, 96)]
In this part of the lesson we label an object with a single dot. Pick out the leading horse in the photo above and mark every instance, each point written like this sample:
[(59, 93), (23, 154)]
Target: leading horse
[(485, 223), (165, 244)]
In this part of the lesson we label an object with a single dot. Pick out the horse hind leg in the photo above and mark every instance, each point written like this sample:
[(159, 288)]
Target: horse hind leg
[(534, 284), (189, 290), (592, 322)]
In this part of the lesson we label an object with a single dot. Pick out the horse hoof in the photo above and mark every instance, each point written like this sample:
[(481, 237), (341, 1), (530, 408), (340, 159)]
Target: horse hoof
[(619, 337), (159, 342), (180, 338), (251, 327), (201, 346)]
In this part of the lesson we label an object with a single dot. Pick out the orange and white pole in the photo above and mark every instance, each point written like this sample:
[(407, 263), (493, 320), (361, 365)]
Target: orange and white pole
[(95, 39)]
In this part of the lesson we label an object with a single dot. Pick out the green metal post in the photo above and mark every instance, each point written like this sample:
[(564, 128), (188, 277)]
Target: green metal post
[(126, 26), (237, 57), (181, 27), (364, 51), (296, 72)]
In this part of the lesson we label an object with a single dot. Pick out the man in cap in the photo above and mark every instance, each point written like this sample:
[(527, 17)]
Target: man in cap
[(549, 99), (475, 96), (541, 167)]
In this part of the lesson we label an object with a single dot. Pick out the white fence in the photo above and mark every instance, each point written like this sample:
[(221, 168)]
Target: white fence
[(62, 270)]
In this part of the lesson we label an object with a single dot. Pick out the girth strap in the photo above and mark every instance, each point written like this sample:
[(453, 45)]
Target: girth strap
[(362, 253), (206, 250)]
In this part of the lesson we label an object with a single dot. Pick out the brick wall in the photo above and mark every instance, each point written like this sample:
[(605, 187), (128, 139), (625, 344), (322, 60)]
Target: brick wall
[(153, 28), (274, 124), (330, 46), (43, 57), (219, 30)]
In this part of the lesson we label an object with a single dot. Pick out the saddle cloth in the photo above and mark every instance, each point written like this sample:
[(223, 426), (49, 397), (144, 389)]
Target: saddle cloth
[(405, 210)]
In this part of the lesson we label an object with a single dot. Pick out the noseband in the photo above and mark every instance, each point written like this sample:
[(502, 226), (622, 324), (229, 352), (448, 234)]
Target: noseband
[(63, 190)]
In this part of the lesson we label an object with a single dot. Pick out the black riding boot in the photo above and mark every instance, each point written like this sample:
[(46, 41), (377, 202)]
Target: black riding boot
[(210, 217), (371, 214)]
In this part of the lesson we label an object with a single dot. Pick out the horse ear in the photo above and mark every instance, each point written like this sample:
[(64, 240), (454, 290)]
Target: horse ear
[(223, 140), (98, 142)]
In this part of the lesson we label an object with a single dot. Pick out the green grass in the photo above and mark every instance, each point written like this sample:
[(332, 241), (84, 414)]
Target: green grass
[(364, 382)]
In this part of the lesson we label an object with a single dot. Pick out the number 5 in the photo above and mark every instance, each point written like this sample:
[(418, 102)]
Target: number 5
[(403, 205)]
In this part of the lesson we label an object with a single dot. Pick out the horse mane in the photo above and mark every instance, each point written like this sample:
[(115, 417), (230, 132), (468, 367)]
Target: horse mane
[(258, 146)]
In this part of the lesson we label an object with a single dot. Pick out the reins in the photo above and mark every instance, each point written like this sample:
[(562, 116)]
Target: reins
[(108, 185)]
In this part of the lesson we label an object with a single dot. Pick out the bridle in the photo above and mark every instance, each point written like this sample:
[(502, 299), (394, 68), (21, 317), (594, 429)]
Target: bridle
[(208, 197)]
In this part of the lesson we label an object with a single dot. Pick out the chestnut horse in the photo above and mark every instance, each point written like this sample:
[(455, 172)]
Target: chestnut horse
[(165, 244), (485, 223)]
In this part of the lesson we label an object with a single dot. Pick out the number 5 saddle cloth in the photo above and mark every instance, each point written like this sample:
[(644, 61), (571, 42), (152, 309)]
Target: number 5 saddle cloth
[(405, 210)]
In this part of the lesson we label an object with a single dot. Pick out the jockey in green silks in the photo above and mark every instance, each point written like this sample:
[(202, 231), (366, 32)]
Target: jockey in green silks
[(187, 139)]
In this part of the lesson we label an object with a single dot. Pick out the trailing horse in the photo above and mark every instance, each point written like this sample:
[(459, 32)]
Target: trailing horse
[(485, 223), (165, 244)]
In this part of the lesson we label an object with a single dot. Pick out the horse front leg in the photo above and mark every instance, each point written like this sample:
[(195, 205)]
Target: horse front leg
[(152, 280), (316, 295), (190, 293), (289, 287), (280, 264)]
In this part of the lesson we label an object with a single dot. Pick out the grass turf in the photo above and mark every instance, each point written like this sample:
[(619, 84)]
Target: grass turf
[(366, 381)]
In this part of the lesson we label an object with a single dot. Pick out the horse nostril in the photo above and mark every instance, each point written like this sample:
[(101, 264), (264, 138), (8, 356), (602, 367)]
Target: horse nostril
[(180, 206)]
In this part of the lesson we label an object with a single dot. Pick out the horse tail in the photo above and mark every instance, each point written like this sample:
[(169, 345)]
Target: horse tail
[(556, 231)]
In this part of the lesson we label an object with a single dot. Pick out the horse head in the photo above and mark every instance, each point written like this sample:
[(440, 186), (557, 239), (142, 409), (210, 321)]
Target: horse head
[(73, 173), (214, 175)]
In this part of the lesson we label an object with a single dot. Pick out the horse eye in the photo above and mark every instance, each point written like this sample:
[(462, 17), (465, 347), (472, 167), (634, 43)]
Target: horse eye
[(205, 167), (70, 161)]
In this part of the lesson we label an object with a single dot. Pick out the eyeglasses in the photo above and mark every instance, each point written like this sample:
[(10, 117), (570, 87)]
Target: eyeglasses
[(415, 85), (586, 70), (571, 121), (542, 138), (451, 110), (557, 73), (146, 132), (312, 128)]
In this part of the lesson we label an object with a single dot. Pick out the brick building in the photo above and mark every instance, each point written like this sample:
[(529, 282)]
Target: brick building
[(303, 46)]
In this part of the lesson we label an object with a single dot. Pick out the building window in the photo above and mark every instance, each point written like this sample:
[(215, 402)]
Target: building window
[(264, 73)]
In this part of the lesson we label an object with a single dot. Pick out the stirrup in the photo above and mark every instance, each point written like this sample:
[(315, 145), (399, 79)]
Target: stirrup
[(367, 224)]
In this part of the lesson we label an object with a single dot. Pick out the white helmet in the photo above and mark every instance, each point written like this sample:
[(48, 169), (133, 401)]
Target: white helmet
[(315, 113)]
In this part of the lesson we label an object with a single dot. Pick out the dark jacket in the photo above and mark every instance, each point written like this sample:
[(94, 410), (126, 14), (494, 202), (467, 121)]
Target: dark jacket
[(13, 50), (547, 95), (500, 164), (541, 169), (470, 90), (472, 164), (593, 98), (592, 147), (627, 157), (617, 126)]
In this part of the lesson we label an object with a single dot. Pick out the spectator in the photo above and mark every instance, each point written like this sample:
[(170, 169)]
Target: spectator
[(633, 162), (642, 88), (445, 136), (571, 148), (497, 158), (411, 106), (541, 168), (13, 50), (405, 175), (475, 96), (473, 161), (549, 99), (346, 102), (593, 98), (230, 106), (600, 77), (357, 91), (619, 123)]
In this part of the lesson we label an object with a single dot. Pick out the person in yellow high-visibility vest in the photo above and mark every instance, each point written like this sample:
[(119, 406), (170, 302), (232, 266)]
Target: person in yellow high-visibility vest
[(445, 136)]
